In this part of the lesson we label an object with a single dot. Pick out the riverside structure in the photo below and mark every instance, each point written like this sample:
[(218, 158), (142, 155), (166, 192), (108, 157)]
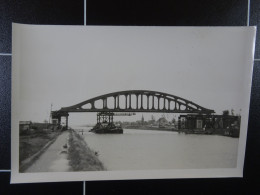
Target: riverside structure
[(130, 102)]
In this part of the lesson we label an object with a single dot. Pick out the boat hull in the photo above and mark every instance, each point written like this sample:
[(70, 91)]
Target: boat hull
[(108, 131)]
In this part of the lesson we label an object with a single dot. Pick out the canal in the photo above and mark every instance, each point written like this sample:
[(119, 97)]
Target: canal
[(150, 149)]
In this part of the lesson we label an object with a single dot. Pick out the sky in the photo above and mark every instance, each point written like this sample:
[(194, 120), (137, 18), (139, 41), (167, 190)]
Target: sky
[(65, 65)]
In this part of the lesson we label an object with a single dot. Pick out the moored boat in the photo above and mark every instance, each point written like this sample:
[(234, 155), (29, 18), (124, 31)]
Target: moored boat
[(107, 128)]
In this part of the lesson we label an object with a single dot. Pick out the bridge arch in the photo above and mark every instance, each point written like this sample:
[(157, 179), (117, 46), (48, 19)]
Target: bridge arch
[(145, 101)]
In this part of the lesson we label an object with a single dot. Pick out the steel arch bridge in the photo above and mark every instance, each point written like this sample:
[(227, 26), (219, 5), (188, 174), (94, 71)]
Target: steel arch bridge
[(133, 101)]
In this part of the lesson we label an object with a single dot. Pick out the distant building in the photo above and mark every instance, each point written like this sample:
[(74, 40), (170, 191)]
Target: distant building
[(55, 121), (228, 124), (24, 125)]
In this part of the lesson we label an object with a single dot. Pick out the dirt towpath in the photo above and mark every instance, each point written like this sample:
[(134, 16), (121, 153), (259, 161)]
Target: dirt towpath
[(54, 159)]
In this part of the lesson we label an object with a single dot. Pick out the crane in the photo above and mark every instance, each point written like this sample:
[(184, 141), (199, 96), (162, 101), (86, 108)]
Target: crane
[(124, 113)]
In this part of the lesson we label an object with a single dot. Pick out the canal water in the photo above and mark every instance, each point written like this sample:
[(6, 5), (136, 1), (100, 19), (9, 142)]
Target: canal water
[(150, 149)]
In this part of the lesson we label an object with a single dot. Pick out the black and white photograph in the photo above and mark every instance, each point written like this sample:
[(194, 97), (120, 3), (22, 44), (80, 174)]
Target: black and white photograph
[(106, 103)]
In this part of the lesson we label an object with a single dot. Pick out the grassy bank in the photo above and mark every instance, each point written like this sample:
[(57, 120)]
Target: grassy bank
[(81, 157), (32, 142)]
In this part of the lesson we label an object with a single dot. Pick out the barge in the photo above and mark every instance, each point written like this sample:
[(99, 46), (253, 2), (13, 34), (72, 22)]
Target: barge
[(110, 128), (105, 124)]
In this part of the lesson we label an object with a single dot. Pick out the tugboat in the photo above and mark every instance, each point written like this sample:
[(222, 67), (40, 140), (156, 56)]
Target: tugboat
[(105, 124)]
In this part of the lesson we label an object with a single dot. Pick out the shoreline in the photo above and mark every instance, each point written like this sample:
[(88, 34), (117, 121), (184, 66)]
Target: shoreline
[(221, 132), (80, 156), (38, 143), (151, 128)]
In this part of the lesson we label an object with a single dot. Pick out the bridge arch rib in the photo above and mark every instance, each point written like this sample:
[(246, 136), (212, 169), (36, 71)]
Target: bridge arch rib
[(134, 101)]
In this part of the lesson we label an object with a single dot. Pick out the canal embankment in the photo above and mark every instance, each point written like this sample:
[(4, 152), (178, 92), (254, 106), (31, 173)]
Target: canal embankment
[(56, 151), (80, 156), (230, 132), (32, 144), (54, 158), (222, 132)]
